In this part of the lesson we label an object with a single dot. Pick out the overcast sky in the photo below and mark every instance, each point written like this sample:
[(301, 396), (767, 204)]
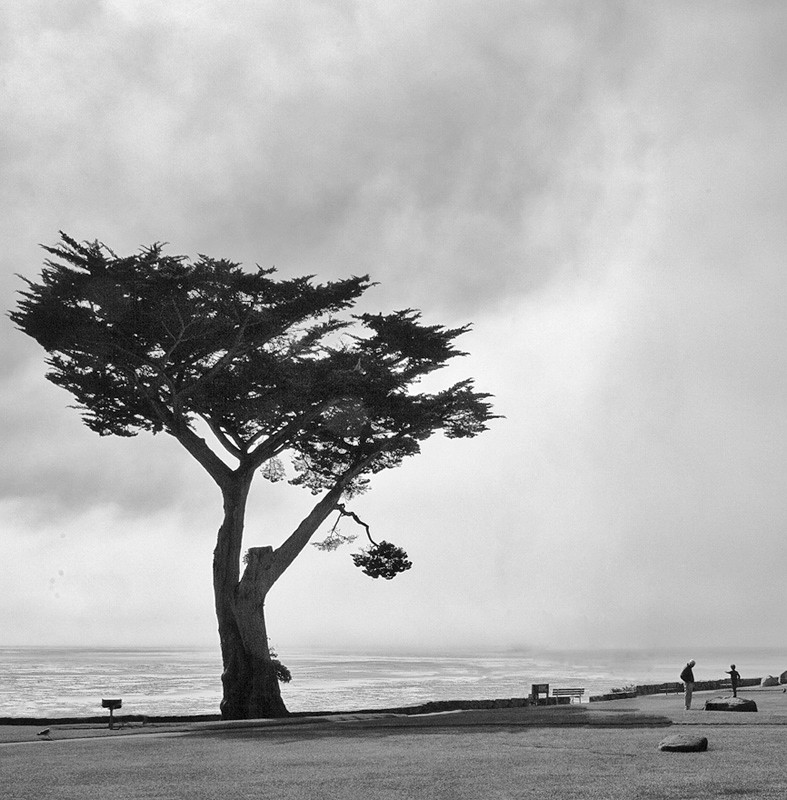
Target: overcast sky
[(598, 187)]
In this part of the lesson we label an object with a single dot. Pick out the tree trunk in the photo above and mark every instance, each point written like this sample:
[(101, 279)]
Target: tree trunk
[(263, 698), (251, 685), (251, 688)]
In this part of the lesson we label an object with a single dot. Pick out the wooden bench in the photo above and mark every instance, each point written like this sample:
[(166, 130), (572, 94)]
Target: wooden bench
[(572, 693)]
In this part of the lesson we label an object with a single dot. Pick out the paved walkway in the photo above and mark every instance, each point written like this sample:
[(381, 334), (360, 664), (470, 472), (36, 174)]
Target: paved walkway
[(651, 710), (599, 750), (771, 707)]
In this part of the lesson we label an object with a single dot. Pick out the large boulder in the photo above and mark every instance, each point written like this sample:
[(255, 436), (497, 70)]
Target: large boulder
[(783, 677), (769, 681), (730, 704), (684, 743)]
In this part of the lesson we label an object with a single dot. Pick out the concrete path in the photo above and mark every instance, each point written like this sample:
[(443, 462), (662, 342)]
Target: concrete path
[(604, 750)]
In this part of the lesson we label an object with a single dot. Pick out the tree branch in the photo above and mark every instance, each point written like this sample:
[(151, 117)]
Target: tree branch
[(273, 444), (220, 364), (221, 437), (343, 512), (299, 538), (199, 449), (284, 555)]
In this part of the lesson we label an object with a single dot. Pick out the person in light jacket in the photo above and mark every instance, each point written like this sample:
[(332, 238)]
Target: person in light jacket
[(687, 676)]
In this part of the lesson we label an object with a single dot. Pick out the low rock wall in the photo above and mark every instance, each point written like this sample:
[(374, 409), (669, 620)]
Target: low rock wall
[(674, 687), (466, 705)]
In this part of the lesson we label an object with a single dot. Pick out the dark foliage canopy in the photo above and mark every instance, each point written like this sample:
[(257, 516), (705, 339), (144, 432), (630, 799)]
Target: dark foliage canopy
[(383, 560), (154, 342)]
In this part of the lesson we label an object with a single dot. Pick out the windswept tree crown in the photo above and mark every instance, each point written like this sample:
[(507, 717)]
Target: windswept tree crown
[(154, 342)]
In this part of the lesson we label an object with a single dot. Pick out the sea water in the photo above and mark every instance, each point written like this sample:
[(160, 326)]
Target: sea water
[(64, 682)]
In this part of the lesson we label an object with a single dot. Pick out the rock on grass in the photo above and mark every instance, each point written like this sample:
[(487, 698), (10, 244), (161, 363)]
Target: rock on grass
[(684, 743), (730, 704)]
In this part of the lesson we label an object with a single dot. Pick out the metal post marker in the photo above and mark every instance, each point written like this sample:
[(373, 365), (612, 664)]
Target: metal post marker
[(111, 705)]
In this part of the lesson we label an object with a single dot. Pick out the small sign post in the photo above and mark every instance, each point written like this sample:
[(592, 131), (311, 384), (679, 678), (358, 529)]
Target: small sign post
[(539, 689), (111, 705)]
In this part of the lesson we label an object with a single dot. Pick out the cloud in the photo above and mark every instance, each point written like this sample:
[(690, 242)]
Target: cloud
[(445, 149), (599, 189)]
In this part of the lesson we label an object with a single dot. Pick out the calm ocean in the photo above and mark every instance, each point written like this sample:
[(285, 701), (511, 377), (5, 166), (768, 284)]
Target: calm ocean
[(58, 681)]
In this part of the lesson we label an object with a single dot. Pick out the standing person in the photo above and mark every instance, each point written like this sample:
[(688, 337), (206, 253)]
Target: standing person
[(734, 678), (687, 676)]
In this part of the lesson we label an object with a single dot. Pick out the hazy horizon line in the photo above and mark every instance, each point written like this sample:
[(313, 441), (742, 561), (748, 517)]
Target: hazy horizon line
[(415, 652)]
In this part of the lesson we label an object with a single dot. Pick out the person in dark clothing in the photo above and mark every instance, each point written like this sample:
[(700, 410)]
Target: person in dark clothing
[(735, 676), (687, 676)]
